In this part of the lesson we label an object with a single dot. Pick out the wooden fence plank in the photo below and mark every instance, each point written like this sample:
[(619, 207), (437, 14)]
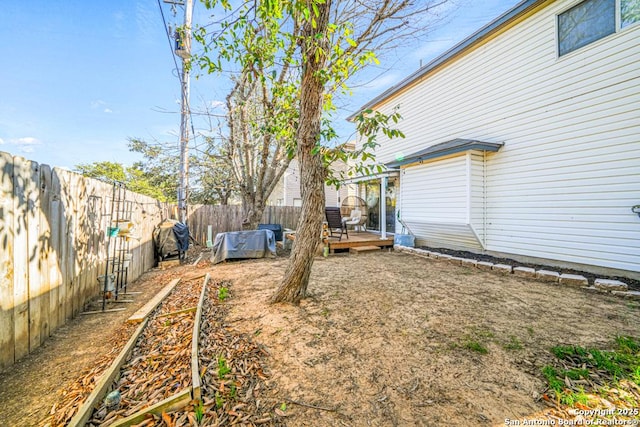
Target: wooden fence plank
[(94, 220), (46, 253), (76, 245), (66, 244), (7, 325), (34, 271), (58, 285), (81, 200), (21, 177)]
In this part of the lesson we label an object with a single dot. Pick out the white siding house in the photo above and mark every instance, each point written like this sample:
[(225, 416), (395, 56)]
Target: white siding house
[(287, 190), (524, 139)]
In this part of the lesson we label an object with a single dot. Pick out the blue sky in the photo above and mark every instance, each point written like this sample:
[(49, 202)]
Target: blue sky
[(78, 78)]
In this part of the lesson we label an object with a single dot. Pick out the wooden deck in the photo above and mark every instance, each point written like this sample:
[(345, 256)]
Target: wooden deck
[(359, 239)]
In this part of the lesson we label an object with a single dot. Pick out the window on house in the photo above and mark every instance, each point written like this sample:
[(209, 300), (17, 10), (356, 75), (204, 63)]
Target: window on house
[(585, 23), (629, 12)]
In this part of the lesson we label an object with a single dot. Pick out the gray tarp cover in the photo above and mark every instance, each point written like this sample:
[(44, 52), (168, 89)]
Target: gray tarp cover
[(243, 244)]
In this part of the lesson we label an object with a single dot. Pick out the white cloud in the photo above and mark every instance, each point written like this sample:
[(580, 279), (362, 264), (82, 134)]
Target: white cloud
[(1, 141), (27, 140), (98, 103), (25, 144), (433, 48)]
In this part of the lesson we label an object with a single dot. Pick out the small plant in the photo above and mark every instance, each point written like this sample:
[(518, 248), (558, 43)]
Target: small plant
[(570, 398), (233, 391), (476, 346), (606, 361), (219, 400), (283, 407), (627, 345), (223, 293), (551, 375), (513, 344), (564, 351), (614, 368), (199, 412), (635, 376), (223, 368), (576, 373)]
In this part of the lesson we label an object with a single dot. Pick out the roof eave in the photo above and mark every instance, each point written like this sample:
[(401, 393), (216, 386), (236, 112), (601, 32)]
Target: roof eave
[(475, 145)]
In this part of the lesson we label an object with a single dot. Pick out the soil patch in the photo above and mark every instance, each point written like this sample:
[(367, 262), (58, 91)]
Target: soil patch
[(391, 339), (384, 339)]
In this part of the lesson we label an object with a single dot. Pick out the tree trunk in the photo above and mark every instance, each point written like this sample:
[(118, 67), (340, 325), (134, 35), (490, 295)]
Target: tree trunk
[(293, 287)]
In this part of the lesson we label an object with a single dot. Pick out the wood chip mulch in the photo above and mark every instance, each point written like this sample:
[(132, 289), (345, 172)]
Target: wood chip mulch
[(232, 366), (233, 371), (160, 364)]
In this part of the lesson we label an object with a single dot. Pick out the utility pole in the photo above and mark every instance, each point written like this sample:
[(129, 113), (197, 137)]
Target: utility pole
[(183, 50)]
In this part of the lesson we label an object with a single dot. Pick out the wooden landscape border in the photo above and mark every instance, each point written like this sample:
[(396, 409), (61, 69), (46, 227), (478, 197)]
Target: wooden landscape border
[(196, 381), (100, 390), (181, 399), (146, 309), (171, 403)]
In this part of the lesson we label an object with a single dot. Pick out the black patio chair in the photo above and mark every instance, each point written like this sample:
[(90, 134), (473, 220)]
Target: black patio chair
[(335, 223)]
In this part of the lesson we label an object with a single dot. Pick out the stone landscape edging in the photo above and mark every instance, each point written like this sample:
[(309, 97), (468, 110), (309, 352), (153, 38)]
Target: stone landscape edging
[(606, 286)]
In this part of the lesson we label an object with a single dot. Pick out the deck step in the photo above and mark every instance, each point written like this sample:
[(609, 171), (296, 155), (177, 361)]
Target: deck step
[(358, 249)]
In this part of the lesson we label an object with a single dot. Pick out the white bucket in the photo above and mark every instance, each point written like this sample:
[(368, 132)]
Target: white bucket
[(110, 282), (404, 240)]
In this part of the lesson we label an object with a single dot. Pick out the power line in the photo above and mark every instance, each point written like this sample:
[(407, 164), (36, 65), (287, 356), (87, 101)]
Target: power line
[(173, 56), (166, 32)]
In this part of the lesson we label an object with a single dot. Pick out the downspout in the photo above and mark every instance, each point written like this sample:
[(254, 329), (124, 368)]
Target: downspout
[(468, 184), (383, 207)]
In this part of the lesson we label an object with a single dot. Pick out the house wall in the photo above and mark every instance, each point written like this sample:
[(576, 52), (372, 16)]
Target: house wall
[(562, 186), (287, 191), (440, 198)]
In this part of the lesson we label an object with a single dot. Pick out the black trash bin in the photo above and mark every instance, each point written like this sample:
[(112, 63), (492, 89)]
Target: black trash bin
[(276, 228)]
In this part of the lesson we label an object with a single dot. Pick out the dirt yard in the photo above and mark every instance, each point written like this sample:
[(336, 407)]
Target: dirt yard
[(384, 339)]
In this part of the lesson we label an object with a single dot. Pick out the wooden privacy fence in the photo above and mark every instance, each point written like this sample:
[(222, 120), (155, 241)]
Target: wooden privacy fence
[(225, 218), (53, 231)]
